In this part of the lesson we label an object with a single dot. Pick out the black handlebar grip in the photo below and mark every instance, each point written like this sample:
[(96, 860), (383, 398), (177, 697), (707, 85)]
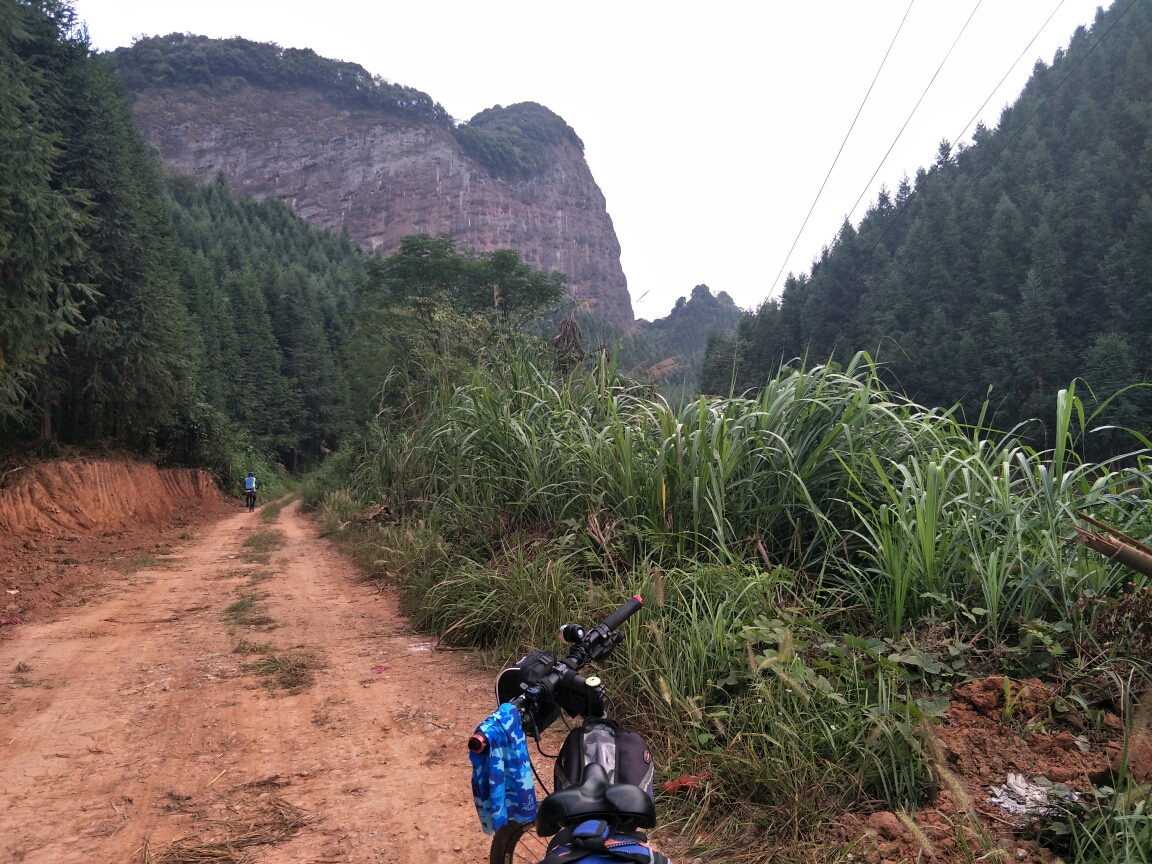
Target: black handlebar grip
[(623, 613), (478, 743)]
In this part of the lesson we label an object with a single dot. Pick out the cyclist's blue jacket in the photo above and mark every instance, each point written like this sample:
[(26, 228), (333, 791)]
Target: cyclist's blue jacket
[(502, 775), (249, 484)]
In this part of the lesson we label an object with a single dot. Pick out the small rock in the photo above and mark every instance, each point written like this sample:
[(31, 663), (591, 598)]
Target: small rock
[(455, 848), (1021, 854), (886, 825)]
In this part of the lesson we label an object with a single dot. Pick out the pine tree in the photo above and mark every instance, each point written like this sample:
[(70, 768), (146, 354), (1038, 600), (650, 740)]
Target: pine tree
[(40, 230)]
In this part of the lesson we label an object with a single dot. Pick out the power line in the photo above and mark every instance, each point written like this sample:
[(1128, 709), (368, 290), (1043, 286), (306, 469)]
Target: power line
[(996, 155), (1016, 134), (1047, 21), (932, 171), (914, 107), (842, 143)]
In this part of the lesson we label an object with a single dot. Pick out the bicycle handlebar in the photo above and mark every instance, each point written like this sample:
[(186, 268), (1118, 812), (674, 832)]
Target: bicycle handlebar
[(595, 645), (623, 613), (600, 640)]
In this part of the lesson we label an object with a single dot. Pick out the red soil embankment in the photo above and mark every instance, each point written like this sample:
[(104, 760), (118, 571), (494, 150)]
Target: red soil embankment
[(67, 529), (86, 497)]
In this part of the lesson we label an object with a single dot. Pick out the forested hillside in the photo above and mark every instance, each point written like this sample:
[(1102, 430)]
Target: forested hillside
[(669, 351), (270, 301), (180, 324), (93, 334), (1016, 263), (154, 314)]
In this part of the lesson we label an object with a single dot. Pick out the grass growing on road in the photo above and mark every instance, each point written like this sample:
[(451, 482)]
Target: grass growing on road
[(271, 512), (261, 545), (291, 671), (248, 611), (246, 647)]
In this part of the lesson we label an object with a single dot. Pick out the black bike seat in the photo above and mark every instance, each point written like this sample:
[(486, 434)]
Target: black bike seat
[(596, 798)]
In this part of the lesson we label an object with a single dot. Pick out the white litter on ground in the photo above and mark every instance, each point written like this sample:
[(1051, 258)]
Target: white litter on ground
[(1020, 796)]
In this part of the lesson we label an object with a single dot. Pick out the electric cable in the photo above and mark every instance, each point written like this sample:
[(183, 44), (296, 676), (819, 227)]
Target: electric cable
[(996, 155), (995, 89), (842, 143), (868, 185)]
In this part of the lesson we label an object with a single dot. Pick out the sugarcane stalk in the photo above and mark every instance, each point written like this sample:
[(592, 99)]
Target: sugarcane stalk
[(1116, 550), (1131, 541)]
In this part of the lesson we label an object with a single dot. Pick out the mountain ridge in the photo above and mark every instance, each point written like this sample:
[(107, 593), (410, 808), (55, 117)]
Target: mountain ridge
[(337, 145)]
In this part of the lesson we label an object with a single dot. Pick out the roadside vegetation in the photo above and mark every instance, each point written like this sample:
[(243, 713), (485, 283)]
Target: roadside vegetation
[(824, 560), (821, 565)]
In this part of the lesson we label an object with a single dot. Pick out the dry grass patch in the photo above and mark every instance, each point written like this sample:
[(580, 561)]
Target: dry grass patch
[(262, 823), (292, 671), (265, 541), (246, 647)]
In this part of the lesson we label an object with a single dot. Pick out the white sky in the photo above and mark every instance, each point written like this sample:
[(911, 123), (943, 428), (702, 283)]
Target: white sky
[(709, 127)]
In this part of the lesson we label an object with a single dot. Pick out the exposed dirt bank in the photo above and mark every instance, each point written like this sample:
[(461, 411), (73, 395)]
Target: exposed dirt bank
[(69, 497), (68, 528), (981, 741), (336, 736)]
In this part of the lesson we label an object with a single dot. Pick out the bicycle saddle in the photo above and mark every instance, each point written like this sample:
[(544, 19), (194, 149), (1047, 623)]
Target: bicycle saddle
[(616, 803)]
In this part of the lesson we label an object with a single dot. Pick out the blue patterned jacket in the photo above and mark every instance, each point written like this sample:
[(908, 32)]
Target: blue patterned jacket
[(502, 783)]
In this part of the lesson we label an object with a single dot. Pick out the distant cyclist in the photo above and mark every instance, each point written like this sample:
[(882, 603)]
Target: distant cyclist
[(251, 484)]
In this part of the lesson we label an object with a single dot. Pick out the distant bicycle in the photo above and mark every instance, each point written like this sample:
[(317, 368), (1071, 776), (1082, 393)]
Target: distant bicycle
[(251, 484)]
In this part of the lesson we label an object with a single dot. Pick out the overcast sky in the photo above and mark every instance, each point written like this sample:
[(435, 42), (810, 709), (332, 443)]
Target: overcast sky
[(709, 126)]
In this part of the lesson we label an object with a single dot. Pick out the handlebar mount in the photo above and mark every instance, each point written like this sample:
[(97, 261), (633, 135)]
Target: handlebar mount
[(537, 699)]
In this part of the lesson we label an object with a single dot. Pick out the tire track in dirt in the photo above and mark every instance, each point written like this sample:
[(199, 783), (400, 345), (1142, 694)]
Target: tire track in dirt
[(132, 718)]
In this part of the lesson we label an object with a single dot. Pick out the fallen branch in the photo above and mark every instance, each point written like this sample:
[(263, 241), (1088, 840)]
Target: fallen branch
[(1120, 535), (1115, 550)]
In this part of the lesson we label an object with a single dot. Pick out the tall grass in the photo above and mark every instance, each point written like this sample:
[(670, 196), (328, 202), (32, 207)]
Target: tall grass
[(728, 679), (874, 499)]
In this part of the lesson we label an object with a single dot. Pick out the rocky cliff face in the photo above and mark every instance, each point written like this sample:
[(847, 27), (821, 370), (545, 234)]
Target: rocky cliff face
[(384, 177)]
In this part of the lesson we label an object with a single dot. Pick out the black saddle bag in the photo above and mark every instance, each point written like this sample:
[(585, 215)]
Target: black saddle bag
[(622, 753)]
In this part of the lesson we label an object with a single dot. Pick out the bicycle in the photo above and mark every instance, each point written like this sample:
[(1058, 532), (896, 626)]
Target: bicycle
[(540, 686)]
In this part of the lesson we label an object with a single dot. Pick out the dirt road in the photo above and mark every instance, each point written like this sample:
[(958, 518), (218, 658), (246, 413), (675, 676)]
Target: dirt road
[(131, 722)]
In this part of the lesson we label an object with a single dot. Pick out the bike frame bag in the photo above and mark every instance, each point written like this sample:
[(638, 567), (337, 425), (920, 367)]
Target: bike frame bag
[(593, 842)]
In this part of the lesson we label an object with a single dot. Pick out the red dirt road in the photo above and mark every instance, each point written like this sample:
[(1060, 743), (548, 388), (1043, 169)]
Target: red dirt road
[(130, 719)]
